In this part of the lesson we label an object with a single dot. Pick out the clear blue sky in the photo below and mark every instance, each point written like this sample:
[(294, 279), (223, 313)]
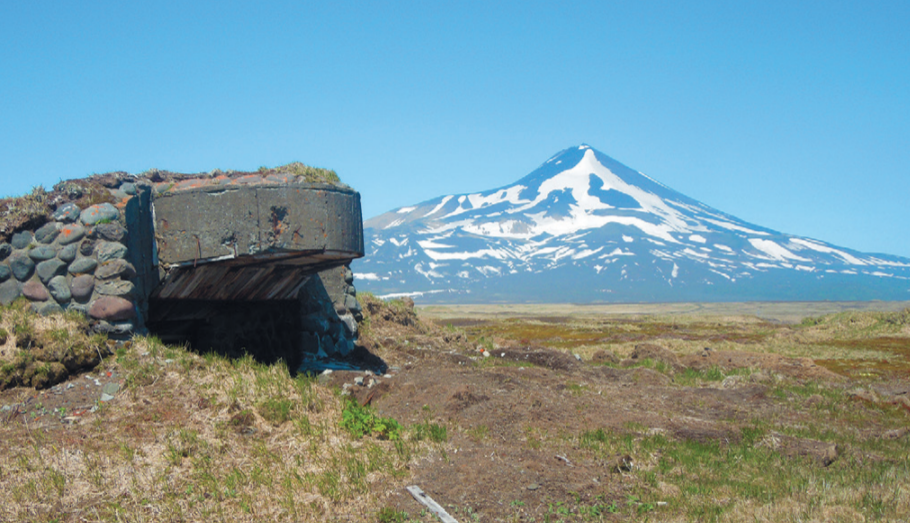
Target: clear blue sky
[(791, 115)]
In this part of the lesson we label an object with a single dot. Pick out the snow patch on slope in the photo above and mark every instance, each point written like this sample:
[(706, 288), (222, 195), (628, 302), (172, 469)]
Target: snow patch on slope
[(775, 251)]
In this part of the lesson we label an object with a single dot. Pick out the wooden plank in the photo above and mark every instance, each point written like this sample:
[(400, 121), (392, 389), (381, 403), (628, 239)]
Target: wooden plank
[(428, 502)]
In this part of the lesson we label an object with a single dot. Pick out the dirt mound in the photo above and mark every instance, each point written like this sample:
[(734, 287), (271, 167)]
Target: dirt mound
[(538, 356), (800, 368), (41, 352), (388, 317)]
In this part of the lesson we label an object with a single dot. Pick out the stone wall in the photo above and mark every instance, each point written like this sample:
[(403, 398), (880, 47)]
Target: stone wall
[(84, 260)]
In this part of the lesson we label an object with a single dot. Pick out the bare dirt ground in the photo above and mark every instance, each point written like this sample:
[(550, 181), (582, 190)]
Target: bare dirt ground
[(543, 418), (519, 418)]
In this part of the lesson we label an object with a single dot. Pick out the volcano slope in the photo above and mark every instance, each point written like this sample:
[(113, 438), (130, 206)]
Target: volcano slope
[(585, 228), (502, 418)]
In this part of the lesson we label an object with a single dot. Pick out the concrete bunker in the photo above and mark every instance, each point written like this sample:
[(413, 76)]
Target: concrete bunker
[(236, 263)]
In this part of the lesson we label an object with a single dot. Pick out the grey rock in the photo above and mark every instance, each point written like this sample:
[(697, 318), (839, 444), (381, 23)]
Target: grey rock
[(110, 388), (350, 325), (98, 213), (9, 291), (114, 269), (21, 265), (68, 253), (83, 266), (129, 188), (49, 308), (113, 232), (59, 289), (120, 288), (122, 327), (344, 347), (50, 268), (326, 346), (316, 323), (102, 327), (71, 234), (336, 330), (105, 397), (68, 212), (348, 275), (34, 291), (22, 239), (5, 250), (87, 248), (82, 287), (351, 303), (5, 272), (108, 251), (42, 252), (47, 232), (76, 307)]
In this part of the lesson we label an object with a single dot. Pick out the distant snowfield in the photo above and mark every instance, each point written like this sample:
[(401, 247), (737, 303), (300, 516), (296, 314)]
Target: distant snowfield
[(617, 226)]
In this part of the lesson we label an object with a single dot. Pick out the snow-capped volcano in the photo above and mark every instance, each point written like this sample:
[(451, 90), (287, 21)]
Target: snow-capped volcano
[(584, 227)]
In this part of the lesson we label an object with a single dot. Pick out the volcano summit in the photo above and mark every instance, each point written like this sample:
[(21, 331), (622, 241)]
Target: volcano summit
[(585, 228)]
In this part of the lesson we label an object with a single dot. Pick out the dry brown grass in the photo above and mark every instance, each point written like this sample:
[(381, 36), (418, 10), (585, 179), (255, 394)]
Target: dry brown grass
[(197, 438)]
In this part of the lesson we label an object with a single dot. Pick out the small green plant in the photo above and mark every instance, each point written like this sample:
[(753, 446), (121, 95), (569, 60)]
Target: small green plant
[(640, 506), (575, 388), (431, 431), (362, 421), (390, 515), (275, 411), (3, 336), (478, 433)]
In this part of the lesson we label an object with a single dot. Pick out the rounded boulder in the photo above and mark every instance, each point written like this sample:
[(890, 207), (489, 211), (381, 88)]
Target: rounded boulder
[(108, 251), (68, 253), (21, 265), (68, 212), (112, 308), (59, 289), (42, 252), (116, 268), (47, 233), (34, 291), (83, 266), (103, 212), (71, 234), (82, 287), (9, 291), (50, 268)]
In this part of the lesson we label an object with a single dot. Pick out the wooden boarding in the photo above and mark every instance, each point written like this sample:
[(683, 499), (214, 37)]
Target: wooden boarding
[(428, 502)]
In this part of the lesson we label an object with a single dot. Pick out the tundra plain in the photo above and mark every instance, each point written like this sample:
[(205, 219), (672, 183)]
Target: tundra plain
[(721, 412)]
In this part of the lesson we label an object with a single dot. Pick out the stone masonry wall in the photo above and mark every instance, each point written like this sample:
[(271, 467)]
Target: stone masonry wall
[(81, 260)]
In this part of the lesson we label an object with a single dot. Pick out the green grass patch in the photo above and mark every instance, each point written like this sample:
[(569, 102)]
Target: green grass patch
[(362, 421), (430, 431)]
